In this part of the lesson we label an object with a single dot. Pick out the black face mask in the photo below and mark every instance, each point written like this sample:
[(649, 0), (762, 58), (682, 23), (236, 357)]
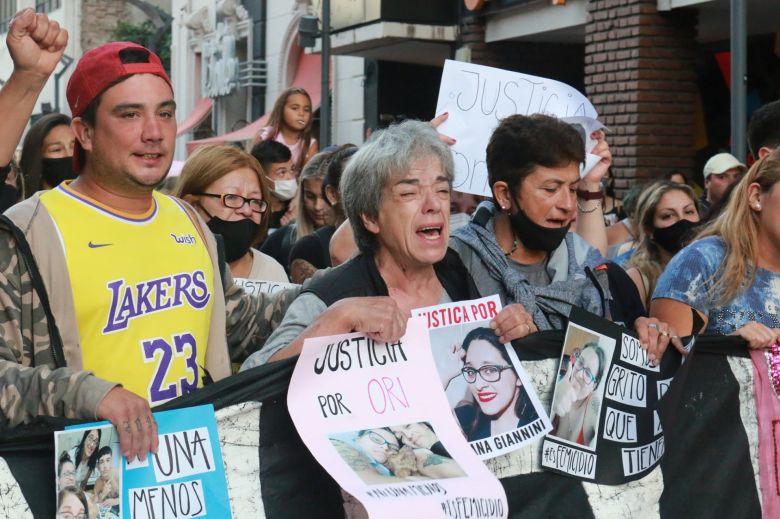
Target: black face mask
[(673, 237), (535, 237), (56, 170), (238, 235)]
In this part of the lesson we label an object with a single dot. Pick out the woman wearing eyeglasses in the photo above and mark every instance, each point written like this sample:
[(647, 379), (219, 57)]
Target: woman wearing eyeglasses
[(575, 409), (499, 402), (84, 456), (71, 504), (379, 456), (227, 187)]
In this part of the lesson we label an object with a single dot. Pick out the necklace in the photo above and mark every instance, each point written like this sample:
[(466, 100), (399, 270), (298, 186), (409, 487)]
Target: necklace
[(514, 247)]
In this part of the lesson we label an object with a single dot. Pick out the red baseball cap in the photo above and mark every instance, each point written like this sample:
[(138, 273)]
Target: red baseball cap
[(102, 67)]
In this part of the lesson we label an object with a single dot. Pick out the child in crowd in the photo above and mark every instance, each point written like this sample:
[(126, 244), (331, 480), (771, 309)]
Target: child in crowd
[(311, 212), (276, 160), (290, 123)]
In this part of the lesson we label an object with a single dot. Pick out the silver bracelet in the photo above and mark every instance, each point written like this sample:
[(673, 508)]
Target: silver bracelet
[(598, 204)]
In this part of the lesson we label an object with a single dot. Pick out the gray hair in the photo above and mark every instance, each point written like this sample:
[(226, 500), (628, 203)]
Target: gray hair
[(386, 155)]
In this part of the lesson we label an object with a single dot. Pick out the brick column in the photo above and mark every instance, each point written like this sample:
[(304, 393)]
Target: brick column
[(639, 74), (98, 21)]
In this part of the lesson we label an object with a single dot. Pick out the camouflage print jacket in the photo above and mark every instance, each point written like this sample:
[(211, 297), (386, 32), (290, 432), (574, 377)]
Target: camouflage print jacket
[(37, 379)]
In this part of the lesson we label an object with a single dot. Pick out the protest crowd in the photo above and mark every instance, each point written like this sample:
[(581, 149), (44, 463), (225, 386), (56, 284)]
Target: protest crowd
[(118, 297)]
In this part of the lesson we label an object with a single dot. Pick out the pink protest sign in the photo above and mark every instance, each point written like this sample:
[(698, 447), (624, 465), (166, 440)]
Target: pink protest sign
[(378, 421)]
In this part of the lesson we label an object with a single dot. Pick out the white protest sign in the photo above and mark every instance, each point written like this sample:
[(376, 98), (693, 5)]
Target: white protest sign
[(478, 97), (486, 386), (378, 422), (258, 286), (183, 453)]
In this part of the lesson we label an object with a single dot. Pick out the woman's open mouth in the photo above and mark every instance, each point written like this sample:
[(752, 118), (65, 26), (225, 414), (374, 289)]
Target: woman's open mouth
[(555, 223), (432, 232)]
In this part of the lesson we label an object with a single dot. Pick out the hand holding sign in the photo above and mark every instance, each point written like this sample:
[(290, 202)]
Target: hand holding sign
[(758, 336), (438, 121), (478, 97), (513, 322), (132, 417), (592, 179), (655, 336), (378, 317)]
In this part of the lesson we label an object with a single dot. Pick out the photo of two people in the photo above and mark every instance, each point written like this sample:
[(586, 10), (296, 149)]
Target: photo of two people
[(396, 453)]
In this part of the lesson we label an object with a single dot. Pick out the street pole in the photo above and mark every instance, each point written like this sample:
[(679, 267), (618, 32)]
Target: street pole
[(739, 79), (325, 87)]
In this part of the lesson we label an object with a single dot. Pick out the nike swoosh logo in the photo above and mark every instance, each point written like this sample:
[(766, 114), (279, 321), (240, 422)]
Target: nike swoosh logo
[(98, 245)]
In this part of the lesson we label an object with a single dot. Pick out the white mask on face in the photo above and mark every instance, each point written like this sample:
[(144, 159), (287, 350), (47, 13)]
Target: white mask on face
[(458, 220), (285, 189)]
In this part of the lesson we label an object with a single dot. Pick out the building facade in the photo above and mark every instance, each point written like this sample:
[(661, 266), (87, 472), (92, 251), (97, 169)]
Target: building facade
[(231, 60), (89, 23), (657, 71)]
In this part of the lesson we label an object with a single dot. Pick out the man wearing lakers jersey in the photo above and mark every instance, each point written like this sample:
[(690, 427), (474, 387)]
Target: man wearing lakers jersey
[(131, 276)]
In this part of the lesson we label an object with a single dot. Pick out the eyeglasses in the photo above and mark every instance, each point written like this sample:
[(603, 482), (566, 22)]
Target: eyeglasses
[(68, 474), (381, 440), (92, 439), (232, 201), (68, 515), (489, 373), (583, 370)]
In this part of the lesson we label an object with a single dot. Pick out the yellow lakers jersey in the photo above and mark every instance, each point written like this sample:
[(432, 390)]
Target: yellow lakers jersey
[(142, 290)]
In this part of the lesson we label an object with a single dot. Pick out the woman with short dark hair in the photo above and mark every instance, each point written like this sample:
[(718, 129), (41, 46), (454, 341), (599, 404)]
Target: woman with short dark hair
[(396, 193), (46, 153)]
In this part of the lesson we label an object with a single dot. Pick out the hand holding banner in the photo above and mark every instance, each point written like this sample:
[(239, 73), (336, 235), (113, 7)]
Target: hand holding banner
[(378, 422), (605, 423)]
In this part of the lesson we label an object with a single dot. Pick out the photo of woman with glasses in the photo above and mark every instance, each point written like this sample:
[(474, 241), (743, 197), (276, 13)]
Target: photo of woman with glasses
[(576, 406), (498, 401), (71, 504), (84, 456), (390, 454)]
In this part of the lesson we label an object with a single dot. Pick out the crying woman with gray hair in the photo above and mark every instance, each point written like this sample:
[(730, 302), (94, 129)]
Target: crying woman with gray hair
[(396, 194)]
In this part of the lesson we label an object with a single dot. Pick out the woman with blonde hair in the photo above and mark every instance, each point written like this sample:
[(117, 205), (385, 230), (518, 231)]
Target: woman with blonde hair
[(666, 216), (730, 277), (731, 274), (228, 189)]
